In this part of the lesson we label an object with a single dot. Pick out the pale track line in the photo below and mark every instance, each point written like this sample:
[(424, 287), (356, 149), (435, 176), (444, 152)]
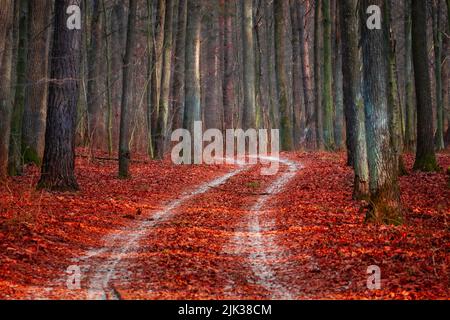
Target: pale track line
[(259, 260), (99, 284)]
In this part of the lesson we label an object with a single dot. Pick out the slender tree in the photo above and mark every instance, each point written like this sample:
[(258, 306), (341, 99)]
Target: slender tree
[(410, 124), (15, 144), (124, 138), (437, 39), (318, 75), (58, 168), (304, 8), (425, 155), (179, 72), (328, 128), (353, 100), (228, 72), (249, 107), (36, 92), (96, 122), (192, 88), (164, 103), (383, 183), (6, 41), (282, 77)]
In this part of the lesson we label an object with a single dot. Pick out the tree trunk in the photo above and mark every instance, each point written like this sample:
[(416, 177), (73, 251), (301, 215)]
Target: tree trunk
[(328, 128), (249, 107), (425, 156), (179, 72), (15, 143), (192, 89), (318, 74), (352, 94), (410, 123), (163, 110), (304, 8), (280, 67), (58, 169), (228, 79), (337, 83), (212, 58), (94, 98), (124, 138), (384, 190), (6, 41), (36, 93), (437, 39), (395, 112)]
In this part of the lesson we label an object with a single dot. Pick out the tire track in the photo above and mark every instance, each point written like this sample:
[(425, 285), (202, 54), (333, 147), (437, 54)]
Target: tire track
[(259, 248)]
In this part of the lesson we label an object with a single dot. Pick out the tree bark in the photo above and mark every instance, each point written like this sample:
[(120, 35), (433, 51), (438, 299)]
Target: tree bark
[(425, 155), (6, 41), (58, 169), (280, 67), (94, 98), (352, 94), (318, 75), (15, 143), (384, 189), (410, 121), (437, 39), (304, 8), (249, 107), (192, 89), (124, 138), (328, 128), (179, 73), (36, 93), (164, 103)]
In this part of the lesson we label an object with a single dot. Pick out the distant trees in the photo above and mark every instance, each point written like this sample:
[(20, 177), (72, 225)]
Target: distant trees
[(149, 67)]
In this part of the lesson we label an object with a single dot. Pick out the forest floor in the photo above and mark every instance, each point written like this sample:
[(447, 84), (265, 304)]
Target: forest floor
[(221, 232)]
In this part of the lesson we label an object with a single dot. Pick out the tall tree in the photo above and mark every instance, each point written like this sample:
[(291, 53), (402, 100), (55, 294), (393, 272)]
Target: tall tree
[(437, 39), (124, 138), (282, 78), (353, 100), (318, 75), (212, 111), (328, 128), (96, 123), (192, 89), (228, 83), (164, 103), (337, 79), (383, 183), (304, 9), (395, 112), (179, 72), (58, 168), (410, 124), (6, 41), (36, 92), (15, 144), (249, 107), (425, 155)]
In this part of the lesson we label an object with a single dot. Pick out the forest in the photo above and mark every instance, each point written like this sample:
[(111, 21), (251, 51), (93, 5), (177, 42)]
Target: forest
[(352, 96)]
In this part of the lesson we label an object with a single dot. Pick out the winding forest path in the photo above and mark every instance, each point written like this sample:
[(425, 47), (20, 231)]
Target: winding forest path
[(221, 232), (129, 264)]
